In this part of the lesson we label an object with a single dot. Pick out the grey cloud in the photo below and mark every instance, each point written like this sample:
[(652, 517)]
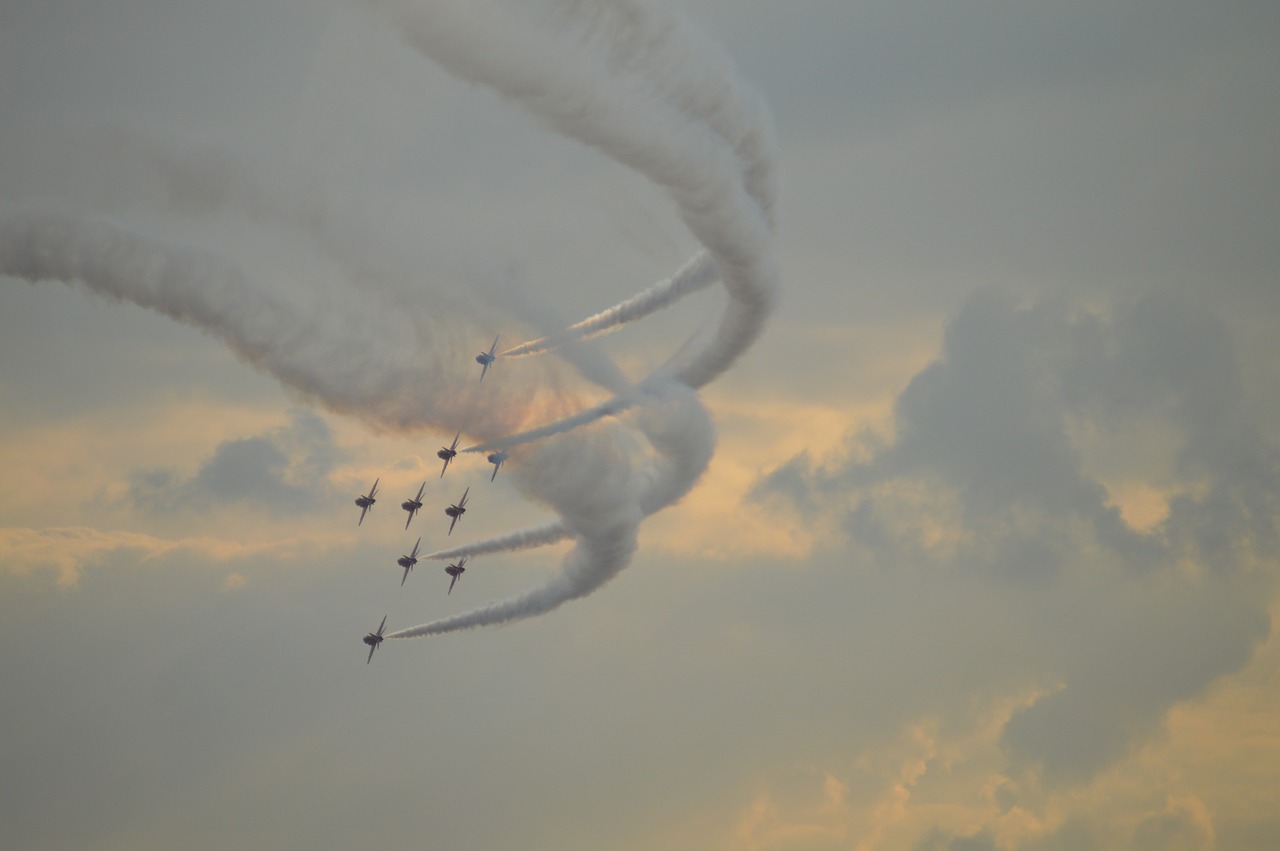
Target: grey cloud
[(1145, 654), (1074, 834), (939, 840), (1178, 827), (285, 471), (992, 421), (994, 424)]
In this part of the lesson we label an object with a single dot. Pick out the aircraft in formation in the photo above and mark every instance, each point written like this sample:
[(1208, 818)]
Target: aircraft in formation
[(456, 510), (496, 459), (448, 453), (455, 570), (366, 502), (407, 562), (487, 358), (373, 639), (413, 505)]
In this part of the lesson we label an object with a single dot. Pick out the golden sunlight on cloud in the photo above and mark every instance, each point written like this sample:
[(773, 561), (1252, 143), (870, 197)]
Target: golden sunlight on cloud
[(67, 551), (234, 582), (1212, 780), (716, 520), (852, 387), (1142, 506), (48, 465)]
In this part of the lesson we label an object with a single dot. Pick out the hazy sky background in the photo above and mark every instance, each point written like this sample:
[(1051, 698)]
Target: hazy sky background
[(987, 555)]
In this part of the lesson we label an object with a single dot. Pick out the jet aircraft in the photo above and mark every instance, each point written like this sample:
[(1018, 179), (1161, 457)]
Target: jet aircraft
[(496, 459), (412, 505), (455, 570), (487, 358), (366, 502), (407, 562), (447, 453), (373, 639), (456, 510)]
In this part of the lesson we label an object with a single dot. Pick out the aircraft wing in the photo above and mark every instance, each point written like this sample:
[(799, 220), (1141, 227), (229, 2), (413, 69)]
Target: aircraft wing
[(364, 509), (410, 520), (406, 576), (372, 647), (452, 523), (483, 369), (451, 581)]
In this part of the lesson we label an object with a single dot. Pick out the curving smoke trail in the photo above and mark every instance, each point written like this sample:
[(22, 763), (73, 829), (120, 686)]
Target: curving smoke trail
[(639, 83), (353, 351), (683, 440), (602, 501), (698, 274), (636, 81)]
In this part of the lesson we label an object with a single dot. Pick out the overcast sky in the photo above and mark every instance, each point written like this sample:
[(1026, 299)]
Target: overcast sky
[(987, 554)]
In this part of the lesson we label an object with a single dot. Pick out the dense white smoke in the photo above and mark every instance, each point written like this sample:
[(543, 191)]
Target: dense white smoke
[(342, 364), (639, 83), (602, 499), (635, 80)]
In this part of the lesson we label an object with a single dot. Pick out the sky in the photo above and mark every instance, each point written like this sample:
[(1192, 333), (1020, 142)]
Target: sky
[(968, 539)]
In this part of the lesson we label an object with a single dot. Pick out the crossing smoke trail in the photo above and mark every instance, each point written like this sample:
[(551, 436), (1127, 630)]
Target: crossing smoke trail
[(670, 475), (602, 506), (637, 82)]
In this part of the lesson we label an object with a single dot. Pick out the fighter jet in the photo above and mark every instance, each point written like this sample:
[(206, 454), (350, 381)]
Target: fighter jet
[(486, 358), (373, 639), (366, 502), (412, 505), (496, 459), (455, 570), (407, 562), (447, 453), (456, 510)]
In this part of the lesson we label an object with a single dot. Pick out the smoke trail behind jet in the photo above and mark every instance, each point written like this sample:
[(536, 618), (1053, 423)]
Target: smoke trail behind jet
[(638, 83), (696, 275), (373, 364)]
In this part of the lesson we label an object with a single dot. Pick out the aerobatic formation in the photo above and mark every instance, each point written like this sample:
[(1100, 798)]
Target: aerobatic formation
[(641, 84)]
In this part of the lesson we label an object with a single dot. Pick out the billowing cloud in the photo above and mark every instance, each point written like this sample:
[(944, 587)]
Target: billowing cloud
[(285, 470), (1005, 460)]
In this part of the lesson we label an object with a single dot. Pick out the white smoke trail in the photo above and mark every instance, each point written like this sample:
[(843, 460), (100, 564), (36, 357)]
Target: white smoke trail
[(683, 441), (698, 274), (552, 532), (604, 500), (351, 351), (638, 83)]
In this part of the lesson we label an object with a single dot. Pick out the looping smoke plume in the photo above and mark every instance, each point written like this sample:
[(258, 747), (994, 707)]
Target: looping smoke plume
[(639, 83), (635, 80)]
